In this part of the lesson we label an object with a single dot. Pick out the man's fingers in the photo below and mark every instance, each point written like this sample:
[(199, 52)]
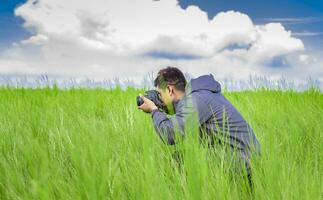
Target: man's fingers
[(143, 97)]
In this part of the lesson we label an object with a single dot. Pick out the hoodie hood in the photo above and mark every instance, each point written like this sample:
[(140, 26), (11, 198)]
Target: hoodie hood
[(205, 82)]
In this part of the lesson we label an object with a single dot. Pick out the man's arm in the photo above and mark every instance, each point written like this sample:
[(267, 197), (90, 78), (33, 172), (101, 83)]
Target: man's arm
[(166, 127), (163, 126), (185, 111)]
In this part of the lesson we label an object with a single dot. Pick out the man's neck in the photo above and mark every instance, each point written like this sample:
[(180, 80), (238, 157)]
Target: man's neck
[(180, 95)]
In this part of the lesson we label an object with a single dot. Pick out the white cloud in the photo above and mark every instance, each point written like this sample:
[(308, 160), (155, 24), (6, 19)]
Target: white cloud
[(36, 40), (303, 58), (295, 20), (109, 38), (307, 34)]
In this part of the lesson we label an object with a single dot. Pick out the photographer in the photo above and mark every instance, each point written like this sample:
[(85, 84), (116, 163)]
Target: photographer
[(218, 120)]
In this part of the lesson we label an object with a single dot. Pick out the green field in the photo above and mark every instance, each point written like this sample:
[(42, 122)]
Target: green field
[(96, 144)]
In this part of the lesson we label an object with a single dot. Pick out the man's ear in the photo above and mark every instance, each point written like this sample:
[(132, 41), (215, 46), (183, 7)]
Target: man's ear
[(169, 89)]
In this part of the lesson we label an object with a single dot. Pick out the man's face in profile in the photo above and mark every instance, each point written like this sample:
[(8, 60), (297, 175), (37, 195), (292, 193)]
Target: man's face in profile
[(166, 97)]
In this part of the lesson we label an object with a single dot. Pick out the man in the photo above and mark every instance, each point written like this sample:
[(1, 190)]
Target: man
[(218, 120)]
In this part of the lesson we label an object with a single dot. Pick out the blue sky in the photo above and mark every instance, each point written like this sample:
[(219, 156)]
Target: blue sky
[(296, 15), (11, 29), (89, 38)]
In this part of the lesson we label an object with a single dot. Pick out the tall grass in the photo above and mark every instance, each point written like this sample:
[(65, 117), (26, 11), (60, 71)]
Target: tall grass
[(96, 144)]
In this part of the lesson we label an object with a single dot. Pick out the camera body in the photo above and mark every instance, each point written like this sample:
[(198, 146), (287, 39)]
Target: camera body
[(154, 96)]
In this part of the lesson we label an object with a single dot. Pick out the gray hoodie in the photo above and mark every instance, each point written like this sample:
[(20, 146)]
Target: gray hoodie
[(218, 120)]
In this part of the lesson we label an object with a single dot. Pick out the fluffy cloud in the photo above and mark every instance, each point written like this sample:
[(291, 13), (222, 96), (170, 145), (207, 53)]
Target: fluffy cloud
[(120, 38)]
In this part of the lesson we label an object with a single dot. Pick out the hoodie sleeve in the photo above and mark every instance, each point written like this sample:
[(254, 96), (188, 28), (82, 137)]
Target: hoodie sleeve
[(163, 126), (166, 127)]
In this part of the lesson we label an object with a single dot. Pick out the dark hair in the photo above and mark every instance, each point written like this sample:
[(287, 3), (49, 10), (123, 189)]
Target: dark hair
[(170, 76)]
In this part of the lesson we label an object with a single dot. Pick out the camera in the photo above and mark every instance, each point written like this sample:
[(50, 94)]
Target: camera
[(154, 96)]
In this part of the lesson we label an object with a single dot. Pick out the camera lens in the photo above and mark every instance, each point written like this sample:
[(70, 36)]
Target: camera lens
[(140, 101)]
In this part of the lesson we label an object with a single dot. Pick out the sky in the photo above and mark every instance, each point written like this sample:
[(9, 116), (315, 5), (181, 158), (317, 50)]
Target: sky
[(103, 39)]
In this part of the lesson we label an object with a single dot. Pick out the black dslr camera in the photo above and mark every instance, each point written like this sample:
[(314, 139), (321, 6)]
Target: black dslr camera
[(154, 96)]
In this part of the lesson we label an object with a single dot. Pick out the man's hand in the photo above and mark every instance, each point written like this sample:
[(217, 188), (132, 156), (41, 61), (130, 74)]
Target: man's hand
[(148, 106)]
